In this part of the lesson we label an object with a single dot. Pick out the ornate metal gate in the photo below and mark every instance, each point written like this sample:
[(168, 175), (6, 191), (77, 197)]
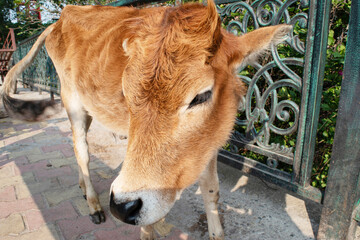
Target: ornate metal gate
[(268, 116)]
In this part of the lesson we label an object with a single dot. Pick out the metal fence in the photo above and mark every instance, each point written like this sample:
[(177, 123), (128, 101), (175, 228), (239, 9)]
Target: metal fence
[(275, 133), (41, 74)]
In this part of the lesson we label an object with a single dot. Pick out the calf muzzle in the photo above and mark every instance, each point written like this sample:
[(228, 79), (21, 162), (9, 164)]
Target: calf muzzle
[(128, 212)]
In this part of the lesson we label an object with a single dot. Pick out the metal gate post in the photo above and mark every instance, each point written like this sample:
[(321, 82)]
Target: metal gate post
[(343, 190), (318, 31)]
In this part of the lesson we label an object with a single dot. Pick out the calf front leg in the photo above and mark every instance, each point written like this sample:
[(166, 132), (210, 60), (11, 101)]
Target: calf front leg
[(80, 123), (209, 186)]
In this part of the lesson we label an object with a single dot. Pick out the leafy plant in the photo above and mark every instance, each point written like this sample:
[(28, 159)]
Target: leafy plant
[(339, 20)]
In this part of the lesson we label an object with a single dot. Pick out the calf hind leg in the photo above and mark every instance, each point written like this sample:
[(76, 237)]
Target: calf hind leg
[(80, 123), (147, 232), (209, 186)]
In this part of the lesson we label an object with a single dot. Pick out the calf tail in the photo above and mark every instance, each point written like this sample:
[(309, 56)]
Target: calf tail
[(22, 109)]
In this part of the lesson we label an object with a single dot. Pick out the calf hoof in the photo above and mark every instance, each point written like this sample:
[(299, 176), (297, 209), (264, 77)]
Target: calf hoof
[(98, 217)]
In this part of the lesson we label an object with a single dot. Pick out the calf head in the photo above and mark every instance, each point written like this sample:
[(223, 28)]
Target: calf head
[(182, 94)]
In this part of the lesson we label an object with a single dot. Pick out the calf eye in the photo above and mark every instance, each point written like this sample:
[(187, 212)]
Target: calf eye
[(201, 98)]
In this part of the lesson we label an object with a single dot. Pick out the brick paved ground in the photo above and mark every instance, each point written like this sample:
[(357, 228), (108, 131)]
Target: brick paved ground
[(39, 193)]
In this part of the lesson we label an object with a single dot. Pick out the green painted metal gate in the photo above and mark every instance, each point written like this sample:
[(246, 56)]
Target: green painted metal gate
[(266, 117)]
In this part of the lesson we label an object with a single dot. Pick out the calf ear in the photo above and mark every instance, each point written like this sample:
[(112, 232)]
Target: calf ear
[(249, 46)]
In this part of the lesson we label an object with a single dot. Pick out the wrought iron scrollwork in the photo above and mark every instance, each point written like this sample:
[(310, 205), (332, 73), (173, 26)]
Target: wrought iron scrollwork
[(261, 106)]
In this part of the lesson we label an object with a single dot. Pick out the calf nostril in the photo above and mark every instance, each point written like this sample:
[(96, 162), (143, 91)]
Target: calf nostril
[(127, 212)]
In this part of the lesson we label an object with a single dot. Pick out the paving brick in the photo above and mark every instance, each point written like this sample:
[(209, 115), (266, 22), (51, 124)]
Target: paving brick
[(8, 132), (44, 156), (56, 120), (96, 164), (106, 173), (21, 205), (177, 234), (25, 191), (7, 194), (43, 124), (5, 124), (11, 140), (28, 135), (16, 121), (47, 232), (104, 198), (70, 180), (35, 218), (37, 166), (21, 160), (125, 232), (13, 224), (67, 134), (19, 141), (7, 170), (24, 179), (81, 206), (51, 130), (27, 126), (24, 142), (86, 236), (54, 172), (25, 152), (73, 228), (63, 162), (18, 161), (39, 136), (101, 185), (76, 167), (46, 139), (56, 147), (4, 157), (54, 197), (68, 152)]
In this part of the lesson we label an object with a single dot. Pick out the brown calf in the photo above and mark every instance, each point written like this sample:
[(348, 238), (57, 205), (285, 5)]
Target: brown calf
[(165, 77)]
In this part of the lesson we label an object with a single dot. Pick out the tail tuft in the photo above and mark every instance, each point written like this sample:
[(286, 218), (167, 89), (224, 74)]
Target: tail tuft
[(37, 110)]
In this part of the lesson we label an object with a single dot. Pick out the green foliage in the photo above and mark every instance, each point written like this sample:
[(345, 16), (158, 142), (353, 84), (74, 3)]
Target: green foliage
[(5, 22), (339, 20), (27, 16)]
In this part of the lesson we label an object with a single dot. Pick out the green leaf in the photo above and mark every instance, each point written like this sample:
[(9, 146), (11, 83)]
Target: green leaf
[(341, 48), (325, 107), (331, 39), (325, 134), (338, 55)]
